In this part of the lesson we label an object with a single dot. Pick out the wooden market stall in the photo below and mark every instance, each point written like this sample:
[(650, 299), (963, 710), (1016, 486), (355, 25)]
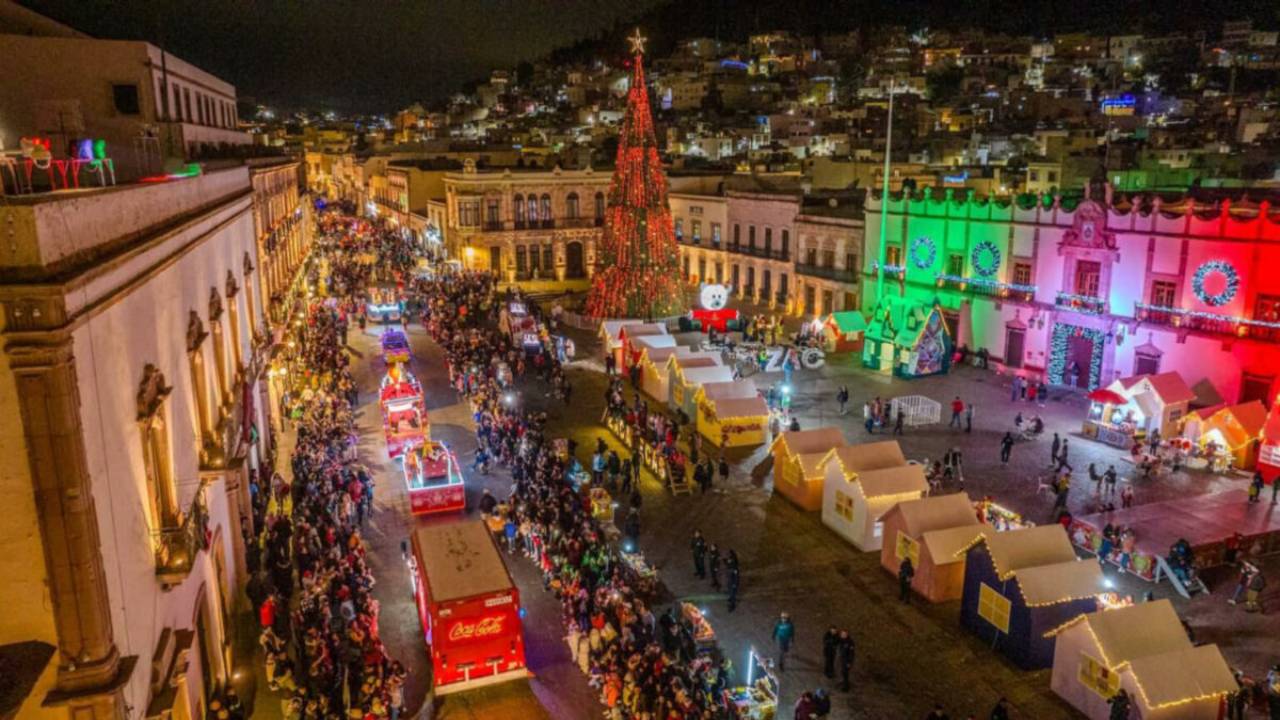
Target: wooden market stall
[(687, 375), (797, 458), (856, 506), (1020, 585), (930, 531), (843, 331), (732, 414), (628, 336), (1228, 436), (1269, 446), (637, 346), (655, 368), (907, 338), (1143, 649), (1135, 406), (614, 334)]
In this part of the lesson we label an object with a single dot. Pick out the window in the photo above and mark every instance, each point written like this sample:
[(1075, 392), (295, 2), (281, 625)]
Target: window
[(893, 255), (715, 234), (907, 547), (737, 235), (751, 237), (697, 231), (599, 208), (994, 607), (1146, 364), (719, 273), (125, 96), (702, 269), (1164, 293), (155, 449), (522, 260), (851, 261), (786, 242), (548, 257), (518, 203), (1098, 677), (571, 206), (1087, 275), (811, 257), (1267, 308), (765, 284), (955, 265), (187, 115), (1022, 273), (768, 239), (679, 229), (1053, 176), (492, 216), (828, 258), (546, 209), (532, 209), (844, 506), (1035, 176)]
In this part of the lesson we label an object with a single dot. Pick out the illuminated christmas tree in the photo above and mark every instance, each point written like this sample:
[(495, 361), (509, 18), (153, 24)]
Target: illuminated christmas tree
[(638, 273)]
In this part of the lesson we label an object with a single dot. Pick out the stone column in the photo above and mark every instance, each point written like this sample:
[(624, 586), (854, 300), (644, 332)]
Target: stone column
[(90, 670)]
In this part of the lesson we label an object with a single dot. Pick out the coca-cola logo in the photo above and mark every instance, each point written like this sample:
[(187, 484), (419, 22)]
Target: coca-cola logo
[(465, 630)]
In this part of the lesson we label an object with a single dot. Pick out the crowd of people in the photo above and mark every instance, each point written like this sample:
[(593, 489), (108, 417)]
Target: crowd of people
[(311, 583), (644, 663)]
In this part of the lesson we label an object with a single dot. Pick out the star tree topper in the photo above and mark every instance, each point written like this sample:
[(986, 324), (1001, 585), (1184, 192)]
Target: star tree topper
[(637, 42)]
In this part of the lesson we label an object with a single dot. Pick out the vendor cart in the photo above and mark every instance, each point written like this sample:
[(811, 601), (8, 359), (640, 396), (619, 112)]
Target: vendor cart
[(642, 575), (433, 479), (468, 606), (602, 505), (758, 699), (695, 623)]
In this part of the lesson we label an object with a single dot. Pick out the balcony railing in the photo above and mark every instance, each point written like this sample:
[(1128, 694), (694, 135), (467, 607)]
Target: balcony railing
[(1211, 323), (988, 288), (760, 252), (577, 222), (827, 273), (1081, 303), (493, 225), (177, 547)]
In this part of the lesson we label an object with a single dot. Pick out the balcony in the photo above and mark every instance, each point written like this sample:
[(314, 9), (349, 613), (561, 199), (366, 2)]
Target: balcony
[(827, 273), (1209, 323), (578, 222), (988, 288), (177, 547), (493, 226), (1081, 303), (753, 251)]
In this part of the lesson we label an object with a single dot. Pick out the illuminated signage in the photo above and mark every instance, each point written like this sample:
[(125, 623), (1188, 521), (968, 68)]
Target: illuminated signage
[(474, 630)]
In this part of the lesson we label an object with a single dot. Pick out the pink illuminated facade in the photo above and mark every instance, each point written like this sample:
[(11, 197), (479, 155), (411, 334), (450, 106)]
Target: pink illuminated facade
[(1100, 289)]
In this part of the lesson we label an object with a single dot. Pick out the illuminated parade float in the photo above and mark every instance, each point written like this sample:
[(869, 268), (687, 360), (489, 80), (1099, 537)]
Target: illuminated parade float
[(468, 606)]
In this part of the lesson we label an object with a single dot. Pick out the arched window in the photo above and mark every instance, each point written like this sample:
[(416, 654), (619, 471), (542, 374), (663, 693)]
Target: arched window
[(518, 203), (199, 378), (571, 206), (599, 208), (233, 322), (533, 209), (156, 461), (221, 367), (546, 210)]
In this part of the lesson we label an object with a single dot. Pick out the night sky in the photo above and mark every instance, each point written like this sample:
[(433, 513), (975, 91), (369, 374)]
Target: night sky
[(354, 55), (381, 55)]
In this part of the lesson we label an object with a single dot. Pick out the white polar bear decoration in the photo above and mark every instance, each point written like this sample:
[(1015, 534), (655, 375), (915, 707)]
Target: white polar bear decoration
[(714, 296)]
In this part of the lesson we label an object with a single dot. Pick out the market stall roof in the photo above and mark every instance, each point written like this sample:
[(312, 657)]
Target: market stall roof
[(904, 479), (1239, 424), (1206, 394), (947, 546), (1028, 547), (867, 456), (1169, 386), (1060, 582), (1110, 397), (685, 362), (653, 341), (1134, 631), (460, 560), (847, 321), (635, 330), (754, 407), (1147, 405), (1192, 672), (659, 355), (817, 440), (729, 390), (937, 513), (707, 374), (609, 330)]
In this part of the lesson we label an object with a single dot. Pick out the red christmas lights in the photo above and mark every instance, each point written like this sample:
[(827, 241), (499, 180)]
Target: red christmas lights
[(638, 263)]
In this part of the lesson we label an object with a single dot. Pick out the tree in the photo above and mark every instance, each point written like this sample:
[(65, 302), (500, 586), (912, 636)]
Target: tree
[(638, 263)]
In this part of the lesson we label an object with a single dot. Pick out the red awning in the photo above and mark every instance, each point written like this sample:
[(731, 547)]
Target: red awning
[(1104, 395)]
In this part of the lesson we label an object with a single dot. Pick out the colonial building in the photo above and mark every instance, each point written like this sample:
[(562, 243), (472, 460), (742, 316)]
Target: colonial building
[(759, 245), (527, 225), (700, 221), (828, 259), (1111, 287), (131, 378), (282, 224)]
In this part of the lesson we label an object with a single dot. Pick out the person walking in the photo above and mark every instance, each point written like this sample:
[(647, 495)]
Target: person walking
[(1109, 477), (724, 469), (1015, 388), (906, 571), (897, 424), (1062, 456), (844, 655), (1053, 450), (1255, 487), (830, 642), (1006, 448), (957, 407), (842, 397), (734, 579), (784, 632), (715, 567), (968, 417), (699, 547)]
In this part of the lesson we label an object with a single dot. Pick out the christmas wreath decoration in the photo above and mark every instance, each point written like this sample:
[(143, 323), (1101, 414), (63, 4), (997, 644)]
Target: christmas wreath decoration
[(1229, 289), (985, 258), (923, 252)]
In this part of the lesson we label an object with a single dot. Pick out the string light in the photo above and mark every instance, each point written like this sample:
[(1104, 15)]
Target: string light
[(1012, 287), (1058, 352)]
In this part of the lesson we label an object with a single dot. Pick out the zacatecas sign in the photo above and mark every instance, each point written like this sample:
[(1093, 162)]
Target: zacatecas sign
[(471, 630)]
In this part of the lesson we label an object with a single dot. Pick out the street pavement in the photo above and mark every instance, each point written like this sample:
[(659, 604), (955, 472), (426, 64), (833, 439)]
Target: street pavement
[(908, 656)]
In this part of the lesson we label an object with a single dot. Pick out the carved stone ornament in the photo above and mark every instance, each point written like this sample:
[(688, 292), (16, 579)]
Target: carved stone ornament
[(152, 392), (195, 332), (215, 304), (248, 265), (1089, 228), (232, 286)]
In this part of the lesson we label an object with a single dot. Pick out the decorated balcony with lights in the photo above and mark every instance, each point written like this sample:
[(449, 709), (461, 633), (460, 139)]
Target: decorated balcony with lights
[(1115, 286)]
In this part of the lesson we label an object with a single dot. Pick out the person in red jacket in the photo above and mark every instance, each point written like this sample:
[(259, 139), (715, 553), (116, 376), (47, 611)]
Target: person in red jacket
[(957, 407), (267, 613)]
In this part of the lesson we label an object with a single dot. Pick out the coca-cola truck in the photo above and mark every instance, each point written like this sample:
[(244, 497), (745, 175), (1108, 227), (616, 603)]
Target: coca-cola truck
[(468, 605)]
